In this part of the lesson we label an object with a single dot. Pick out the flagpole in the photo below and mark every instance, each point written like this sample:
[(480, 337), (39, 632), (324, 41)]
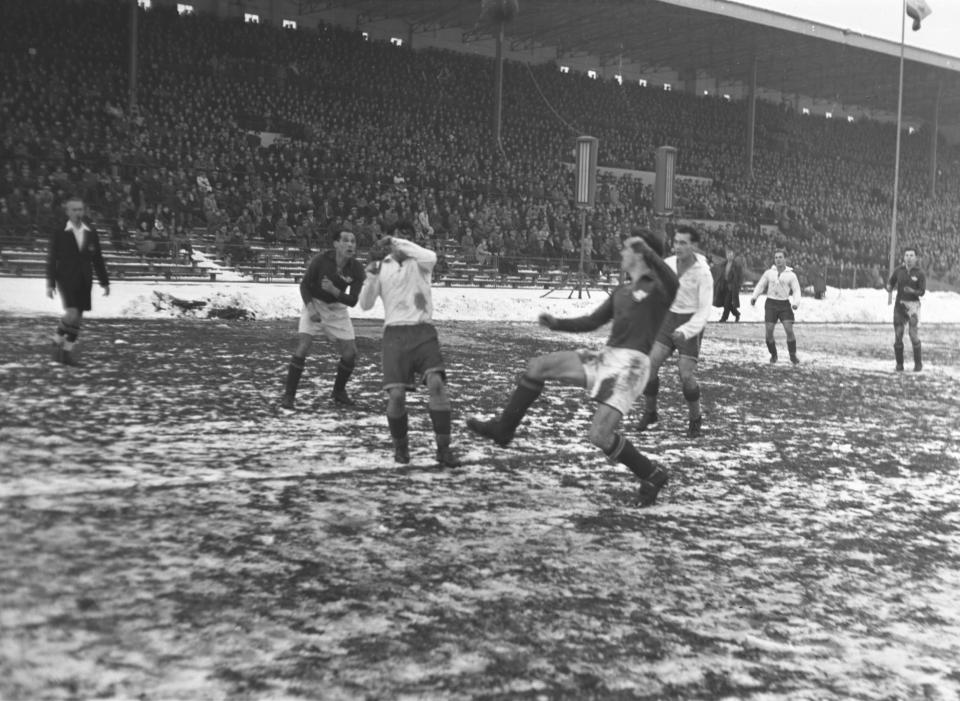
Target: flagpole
[(896, 165)]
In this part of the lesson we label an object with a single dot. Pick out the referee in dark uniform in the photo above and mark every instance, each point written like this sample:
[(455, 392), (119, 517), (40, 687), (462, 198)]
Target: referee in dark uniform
[(73, 255)]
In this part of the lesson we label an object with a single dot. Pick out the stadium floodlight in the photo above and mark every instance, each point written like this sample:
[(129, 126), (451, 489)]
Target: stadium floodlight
[(564, 69), (289, 24), (665, 163), (586, 185), (592, 74), (251, 18)]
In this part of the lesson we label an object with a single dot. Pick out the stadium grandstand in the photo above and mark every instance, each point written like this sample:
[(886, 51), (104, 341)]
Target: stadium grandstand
[(211, 135)]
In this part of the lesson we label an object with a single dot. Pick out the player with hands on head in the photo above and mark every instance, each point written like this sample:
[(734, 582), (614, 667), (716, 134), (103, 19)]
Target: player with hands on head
[(330, 285), (783, 299), (910, 284), (613, 375), (399, 273)]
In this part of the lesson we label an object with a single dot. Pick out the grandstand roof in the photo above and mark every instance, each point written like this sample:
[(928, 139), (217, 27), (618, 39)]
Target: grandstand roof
[(793, 56)]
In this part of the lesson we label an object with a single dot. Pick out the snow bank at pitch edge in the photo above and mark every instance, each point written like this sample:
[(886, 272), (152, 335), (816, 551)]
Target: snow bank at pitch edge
[(151, 300)]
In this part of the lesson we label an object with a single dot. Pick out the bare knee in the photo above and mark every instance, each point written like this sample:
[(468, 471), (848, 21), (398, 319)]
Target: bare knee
[(436, 387), (303, 345), (396, 401), (601, 436), (535, 368), (348, 352)]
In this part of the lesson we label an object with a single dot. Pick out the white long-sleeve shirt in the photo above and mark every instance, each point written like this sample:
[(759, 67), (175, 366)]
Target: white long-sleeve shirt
[(403, 285), (695, 295), (779, 286)]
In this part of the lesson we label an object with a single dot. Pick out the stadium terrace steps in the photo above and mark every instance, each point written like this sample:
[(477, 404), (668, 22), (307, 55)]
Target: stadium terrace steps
[(275, 264)]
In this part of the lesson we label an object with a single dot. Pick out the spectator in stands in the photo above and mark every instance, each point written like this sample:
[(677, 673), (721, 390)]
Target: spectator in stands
[(180, 244), (468, 248), (284, 234), (144, 242), (154, 151), (73, 256), (119, 238), (6, 216), (483, 255), (237, 247)]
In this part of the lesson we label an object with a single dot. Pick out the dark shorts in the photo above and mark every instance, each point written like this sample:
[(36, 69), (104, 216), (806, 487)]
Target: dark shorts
[(775, 310), (410, 353), (690, 348), (75, 295)]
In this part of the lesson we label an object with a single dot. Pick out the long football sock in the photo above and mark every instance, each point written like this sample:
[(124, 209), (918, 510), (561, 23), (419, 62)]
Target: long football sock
[(623, 451), (523, 396), (441, 426), (344, 370), (650, 392), (398, 426), (693, 401), (294, 371)]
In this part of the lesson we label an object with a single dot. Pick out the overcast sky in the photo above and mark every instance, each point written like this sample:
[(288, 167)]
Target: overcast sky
[(879, 18)]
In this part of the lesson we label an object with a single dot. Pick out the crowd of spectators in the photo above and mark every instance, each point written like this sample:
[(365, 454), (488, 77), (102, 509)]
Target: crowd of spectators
[(370, 133)]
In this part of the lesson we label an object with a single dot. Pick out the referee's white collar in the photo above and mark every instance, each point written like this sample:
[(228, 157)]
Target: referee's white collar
[(71, 227)]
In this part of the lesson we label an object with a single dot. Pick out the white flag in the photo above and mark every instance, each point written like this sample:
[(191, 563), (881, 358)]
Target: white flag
[(917, 10)]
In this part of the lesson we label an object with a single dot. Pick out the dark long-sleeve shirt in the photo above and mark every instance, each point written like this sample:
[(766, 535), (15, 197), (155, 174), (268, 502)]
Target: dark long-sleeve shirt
[(72, 266), (636, 309), (914, 278), (348, 281)]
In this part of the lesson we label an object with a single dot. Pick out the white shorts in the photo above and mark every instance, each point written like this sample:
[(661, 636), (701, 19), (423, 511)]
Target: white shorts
[(331, 319), (615, 376), (912, 309)]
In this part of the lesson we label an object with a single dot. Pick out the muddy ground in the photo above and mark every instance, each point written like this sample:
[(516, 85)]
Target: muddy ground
[(169, 534)]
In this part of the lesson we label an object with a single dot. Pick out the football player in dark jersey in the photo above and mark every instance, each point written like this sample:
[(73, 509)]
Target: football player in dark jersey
[(613, 375), (329, 287), (910, 284)]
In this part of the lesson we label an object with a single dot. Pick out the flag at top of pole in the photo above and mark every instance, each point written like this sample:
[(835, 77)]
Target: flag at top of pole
[(917, 10)]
